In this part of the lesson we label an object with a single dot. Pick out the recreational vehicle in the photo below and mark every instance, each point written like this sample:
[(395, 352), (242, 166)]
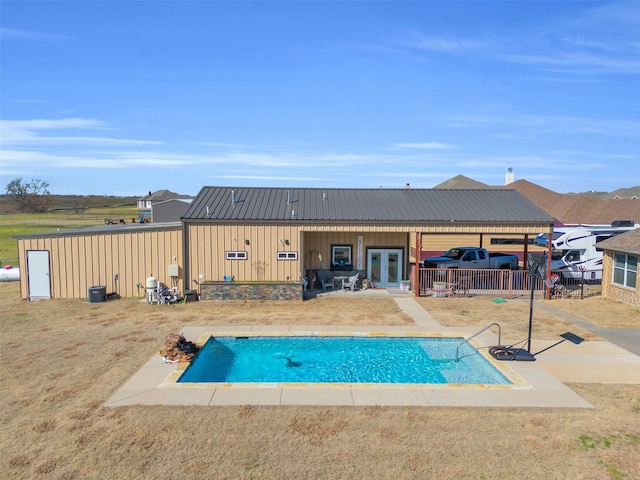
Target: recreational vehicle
[(574, 252)]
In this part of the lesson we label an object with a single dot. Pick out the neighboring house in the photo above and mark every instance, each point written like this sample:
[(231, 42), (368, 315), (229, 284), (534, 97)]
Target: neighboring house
[(632, 193), (275, 235), (620, 267), (576, 209), (594, 208), (169, 210), (169, 213)]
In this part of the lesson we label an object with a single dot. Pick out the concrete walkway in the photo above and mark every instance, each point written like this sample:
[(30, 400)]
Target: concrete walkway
[(627, 338), (534, 384)]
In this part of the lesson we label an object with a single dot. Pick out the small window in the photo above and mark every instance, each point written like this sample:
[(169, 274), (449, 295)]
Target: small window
[(625, 270), (287, 255), (236, 255), (341, 255)]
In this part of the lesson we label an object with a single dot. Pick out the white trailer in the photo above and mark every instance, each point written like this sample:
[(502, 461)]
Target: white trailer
[(573, 249)]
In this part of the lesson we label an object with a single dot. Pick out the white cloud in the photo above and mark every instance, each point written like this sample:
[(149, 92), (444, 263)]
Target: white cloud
[(598, 40), (541, 124), (28, 133), (585, 62), (18, 34), (270, 177), (418, 40), (426, 146)]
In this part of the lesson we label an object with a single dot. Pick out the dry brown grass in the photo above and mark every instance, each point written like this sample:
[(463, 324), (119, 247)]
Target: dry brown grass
[(602, 311), (61, 359), (513, 315)]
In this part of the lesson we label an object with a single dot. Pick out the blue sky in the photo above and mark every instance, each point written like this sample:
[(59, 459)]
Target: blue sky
[(126, 97)]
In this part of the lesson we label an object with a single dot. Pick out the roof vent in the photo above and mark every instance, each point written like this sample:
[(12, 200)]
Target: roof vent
[(622, 223), (288, 197), (324, 195), (207, 210), (233, 197)]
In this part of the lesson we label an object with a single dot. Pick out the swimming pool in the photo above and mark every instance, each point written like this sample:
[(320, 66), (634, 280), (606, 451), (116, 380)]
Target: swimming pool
[(323, 359)]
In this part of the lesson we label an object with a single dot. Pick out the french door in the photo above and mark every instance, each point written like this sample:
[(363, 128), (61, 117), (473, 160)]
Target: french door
[(384, 266)]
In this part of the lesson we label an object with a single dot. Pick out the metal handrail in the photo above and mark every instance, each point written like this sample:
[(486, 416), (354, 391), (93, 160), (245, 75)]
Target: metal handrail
[(467, 339)]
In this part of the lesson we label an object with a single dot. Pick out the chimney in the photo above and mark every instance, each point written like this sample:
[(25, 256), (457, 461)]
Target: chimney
[(509, 177), (233, 197), (407, 185)]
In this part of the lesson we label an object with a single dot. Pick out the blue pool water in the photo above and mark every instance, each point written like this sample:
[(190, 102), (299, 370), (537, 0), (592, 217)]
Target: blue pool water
[(340, 360)]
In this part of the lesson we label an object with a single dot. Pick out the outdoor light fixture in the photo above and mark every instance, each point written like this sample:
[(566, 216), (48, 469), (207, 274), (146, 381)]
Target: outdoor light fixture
[(246, 242), (286, 242)]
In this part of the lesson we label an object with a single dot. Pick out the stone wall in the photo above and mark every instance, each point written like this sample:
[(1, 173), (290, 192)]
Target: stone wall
[(250, 291)]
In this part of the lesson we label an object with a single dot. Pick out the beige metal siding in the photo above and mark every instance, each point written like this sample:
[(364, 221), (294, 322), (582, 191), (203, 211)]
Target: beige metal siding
[(78, 262), (442, 242), (207, 246), (323, 241)]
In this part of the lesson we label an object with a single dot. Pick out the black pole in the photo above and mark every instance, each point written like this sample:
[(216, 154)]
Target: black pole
[(530, 315)]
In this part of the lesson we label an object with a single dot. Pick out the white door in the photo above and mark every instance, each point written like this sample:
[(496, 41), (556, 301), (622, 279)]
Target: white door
[(38, 274), (384, 266)]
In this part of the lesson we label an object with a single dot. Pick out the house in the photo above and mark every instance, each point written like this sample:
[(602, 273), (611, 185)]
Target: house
[(576, 209), (275, 235), (594, 208), (162, 206), (169, 210), (620, 267)]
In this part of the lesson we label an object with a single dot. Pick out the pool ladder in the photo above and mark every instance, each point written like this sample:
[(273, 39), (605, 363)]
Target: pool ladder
[(473, 335)]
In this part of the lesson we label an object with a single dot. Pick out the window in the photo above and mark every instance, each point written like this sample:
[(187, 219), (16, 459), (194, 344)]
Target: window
[(287, 255), (236, 255), (573, 256), (625, 270), (341, 255)]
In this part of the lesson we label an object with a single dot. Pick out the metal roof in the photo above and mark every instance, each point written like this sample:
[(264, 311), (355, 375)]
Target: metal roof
[(102, 229), (253, 204)]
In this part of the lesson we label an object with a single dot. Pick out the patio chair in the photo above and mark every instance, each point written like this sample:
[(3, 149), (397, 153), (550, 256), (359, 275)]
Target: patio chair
[(351, 283), (324, 279)]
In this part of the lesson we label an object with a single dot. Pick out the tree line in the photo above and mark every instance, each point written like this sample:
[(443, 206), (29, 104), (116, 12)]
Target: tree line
[(34, 196)]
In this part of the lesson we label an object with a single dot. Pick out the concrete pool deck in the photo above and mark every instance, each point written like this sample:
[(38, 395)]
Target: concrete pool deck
[(536, 384)]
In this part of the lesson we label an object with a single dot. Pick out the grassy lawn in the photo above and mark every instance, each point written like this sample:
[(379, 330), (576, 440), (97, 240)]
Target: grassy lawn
[(30, 223), (62, 359)]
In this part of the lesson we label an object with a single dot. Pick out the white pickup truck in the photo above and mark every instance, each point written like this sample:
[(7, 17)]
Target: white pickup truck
[(472, 257)]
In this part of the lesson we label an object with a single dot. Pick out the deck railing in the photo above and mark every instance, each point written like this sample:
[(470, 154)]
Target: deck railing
[(461, 282), (441, 282)]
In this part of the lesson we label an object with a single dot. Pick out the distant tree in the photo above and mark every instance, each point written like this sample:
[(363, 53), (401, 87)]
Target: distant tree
[(32, 196), (81, 204)]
